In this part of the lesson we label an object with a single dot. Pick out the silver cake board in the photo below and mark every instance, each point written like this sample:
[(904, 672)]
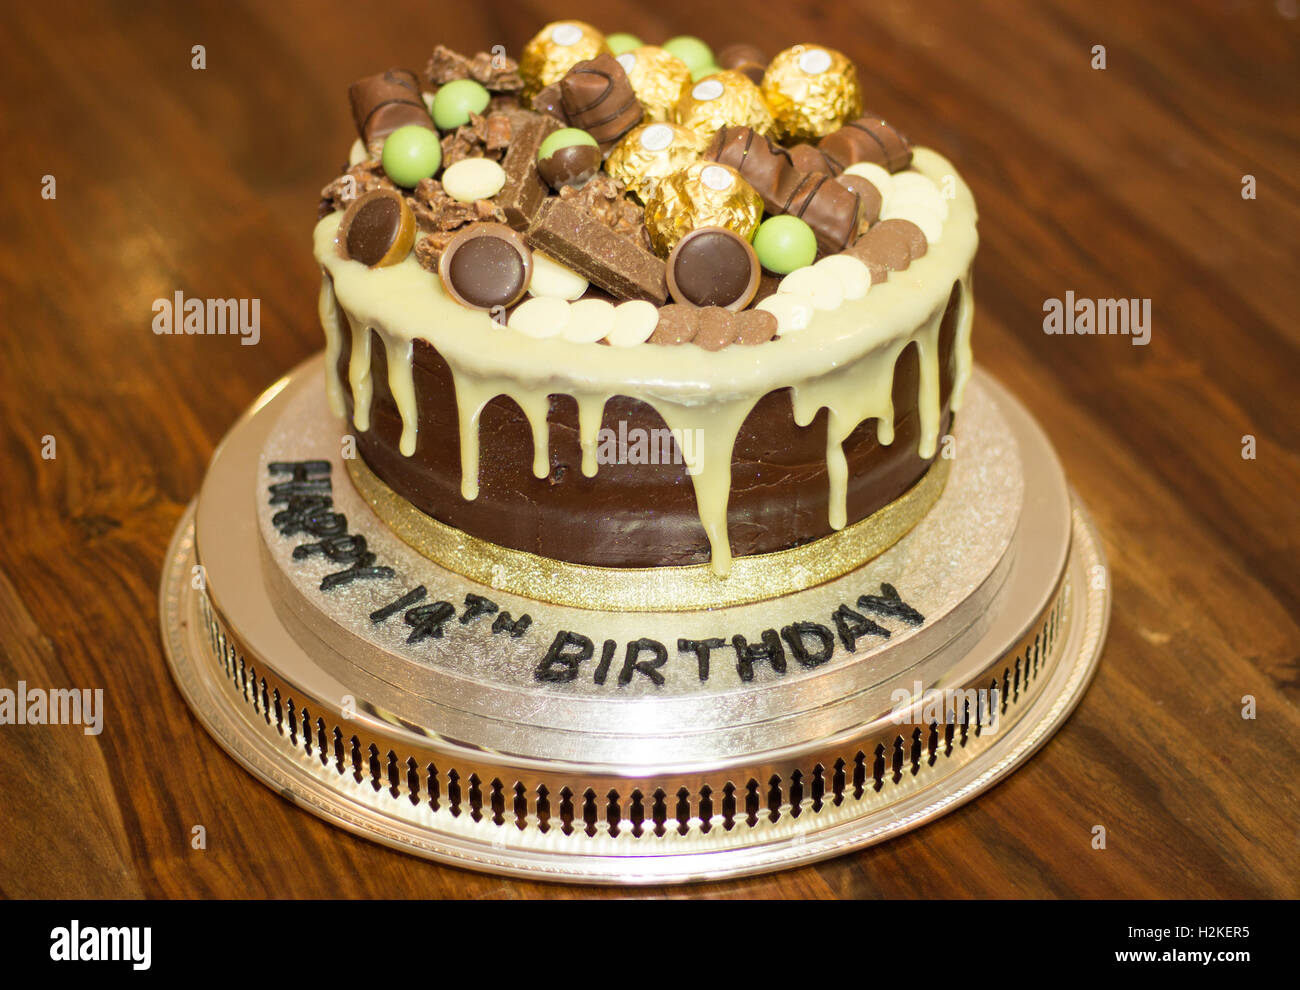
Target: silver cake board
[(442, 724)]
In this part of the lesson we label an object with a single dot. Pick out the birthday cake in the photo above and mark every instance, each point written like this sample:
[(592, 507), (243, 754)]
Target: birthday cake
[(614, 305)]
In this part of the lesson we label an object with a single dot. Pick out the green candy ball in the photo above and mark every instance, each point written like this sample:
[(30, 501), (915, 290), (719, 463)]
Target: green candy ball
[(784, 244), (621, 42), (695, 53), (704, 70), (411, 153), (456, 101), (563, 138)]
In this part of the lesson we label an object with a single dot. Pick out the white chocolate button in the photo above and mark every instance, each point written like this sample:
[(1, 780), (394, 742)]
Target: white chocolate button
[(717, 177), (854, 277), (817, 285), (656, 137), (931, 223), (913, 187), (590, 320), (634, 322), (565, 35), (473, 178), (815, 61), (357, 153), (793, 313), (877, 176), (540, 316), (550, 278), (707, 89)]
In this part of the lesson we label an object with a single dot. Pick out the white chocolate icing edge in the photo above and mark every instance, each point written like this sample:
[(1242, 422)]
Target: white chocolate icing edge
[(842, 361)]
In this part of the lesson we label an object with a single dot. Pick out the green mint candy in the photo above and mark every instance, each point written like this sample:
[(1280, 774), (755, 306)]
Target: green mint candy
[(411, 153), (456, 101), (784, 244)]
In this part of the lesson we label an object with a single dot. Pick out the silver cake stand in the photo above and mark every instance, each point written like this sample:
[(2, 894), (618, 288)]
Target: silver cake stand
[(419, 709)]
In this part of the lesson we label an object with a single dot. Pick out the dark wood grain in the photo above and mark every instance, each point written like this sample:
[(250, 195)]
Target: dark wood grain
[(1122, 182)]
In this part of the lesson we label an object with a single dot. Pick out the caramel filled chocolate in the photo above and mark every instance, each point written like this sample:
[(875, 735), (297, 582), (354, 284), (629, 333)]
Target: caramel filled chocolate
[(598, 98), (378, 229), (867, 139), (384, 102), (486, 265), (713, 266)]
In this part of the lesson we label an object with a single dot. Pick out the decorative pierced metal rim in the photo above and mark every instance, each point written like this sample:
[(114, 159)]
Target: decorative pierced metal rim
[(452, 803)]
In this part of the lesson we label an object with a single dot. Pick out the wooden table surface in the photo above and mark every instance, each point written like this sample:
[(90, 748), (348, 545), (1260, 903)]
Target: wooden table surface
[(1118, 182)]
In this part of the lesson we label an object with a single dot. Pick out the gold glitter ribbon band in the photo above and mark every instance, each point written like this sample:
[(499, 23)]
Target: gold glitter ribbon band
[(651, 589)]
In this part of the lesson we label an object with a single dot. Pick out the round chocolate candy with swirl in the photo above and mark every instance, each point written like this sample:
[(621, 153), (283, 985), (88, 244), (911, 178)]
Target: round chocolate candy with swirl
[(486, 265), (713, 266)]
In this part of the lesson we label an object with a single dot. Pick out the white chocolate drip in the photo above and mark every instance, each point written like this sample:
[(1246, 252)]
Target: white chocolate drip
[(844, 361)]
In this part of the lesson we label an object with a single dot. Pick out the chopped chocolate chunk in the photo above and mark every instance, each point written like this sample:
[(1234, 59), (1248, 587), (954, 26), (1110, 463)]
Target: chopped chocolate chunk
[(496, 134), (429, 249), (607, 199), (550, 101), (497, 73), (358, 180), (524, 189), (620, 265)]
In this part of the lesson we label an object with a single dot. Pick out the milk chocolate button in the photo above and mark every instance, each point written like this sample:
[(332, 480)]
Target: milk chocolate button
[(486, 265), (378, 229), (676, 325), (717, 328), (915, 236), (755, 326), (713, 266)]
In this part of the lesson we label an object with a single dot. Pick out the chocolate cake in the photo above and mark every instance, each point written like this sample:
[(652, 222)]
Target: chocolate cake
[(642, 308)]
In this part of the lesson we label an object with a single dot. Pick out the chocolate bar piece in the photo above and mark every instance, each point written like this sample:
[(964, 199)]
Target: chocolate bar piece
[(598, 98), (524, 190), (382, 103), (762, 164), (828, 207), (867, 139), (609, 260)]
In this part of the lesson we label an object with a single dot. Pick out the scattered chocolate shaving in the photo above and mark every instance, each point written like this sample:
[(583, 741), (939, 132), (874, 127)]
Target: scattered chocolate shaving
[(358, 180), (429, 249), (504, 103), (436, 211), (498, 74), (472, 140), (606, 199)]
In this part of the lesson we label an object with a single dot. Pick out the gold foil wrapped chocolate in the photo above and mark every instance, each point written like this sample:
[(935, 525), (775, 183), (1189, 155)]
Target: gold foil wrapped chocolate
[(556, 49), (724, 99), (650, 153), (703, 194), (658, 78), (811, 91)]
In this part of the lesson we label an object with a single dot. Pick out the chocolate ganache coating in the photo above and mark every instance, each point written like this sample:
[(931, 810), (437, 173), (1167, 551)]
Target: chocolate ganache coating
[(638, 514)]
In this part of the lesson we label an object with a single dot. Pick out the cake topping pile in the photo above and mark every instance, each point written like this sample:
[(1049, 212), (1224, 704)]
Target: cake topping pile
[(602, 189)]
